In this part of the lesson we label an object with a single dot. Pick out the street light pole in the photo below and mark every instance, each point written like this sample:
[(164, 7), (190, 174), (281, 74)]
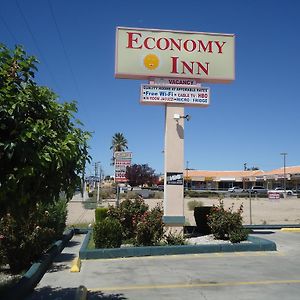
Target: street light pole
[(284, 173)]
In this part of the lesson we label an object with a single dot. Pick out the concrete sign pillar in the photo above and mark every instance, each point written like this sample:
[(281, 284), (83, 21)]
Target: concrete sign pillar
[(174, 164)]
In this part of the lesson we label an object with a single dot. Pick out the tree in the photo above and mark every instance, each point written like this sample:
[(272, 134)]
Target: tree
[(140, 174), (252, 169), (119, 143), (43, 150)]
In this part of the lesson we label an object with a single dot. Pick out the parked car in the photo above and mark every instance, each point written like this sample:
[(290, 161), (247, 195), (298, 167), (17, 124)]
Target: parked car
[(161, 187), (296, 191), (258, 190), (235, 189), (281, 190)]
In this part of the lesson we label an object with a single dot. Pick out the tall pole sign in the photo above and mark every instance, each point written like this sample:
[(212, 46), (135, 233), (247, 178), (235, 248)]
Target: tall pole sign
[(122, 161), (175, 63)]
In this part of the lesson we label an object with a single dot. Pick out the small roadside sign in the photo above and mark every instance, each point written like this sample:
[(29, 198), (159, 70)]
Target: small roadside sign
[(174, 178), (180, 94), (273, 196)]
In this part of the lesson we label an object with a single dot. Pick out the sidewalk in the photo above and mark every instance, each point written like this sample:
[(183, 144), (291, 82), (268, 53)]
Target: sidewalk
[(247, 275), (57, 282), (77, 213)]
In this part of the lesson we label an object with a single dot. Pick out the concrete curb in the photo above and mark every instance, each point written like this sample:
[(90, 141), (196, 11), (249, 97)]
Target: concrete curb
[(256, 244), (76, 265), (33, 276), (274, 226), (81, 293), (290, 229)]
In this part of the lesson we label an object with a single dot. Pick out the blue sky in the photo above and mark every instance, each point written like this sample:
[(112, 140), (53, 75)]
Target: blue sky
[(251, 120)]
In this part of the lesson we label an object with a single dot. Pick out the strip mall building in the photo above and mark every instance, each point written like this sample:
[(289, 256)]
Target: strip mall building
[(222, 180)]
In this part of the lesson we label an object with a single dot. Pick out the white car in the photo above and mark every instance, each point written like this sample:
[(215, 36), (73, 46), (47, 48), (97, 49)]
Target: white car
[(280, 190), (235, 189)]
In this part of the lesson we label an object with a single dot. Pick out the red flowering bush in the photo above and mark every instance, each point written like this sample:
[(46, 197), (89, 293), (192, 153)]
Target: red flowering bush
[(129, 213), (140, 226), (150, 228), (227, 224)]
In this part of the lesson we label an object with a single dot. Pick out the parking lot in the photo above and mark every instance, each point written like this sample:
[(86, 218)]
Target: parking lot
[(248, 275)]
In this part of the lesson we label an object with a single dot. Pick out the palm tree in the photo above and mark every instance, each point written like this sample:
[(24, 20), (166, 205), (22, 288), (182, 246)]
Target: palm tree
[(119, 143)]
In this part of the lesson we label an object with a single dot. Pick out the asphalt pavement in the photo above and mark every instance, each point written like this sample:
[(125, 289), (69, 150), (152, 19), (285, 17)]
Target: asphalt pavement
[(247, 275)]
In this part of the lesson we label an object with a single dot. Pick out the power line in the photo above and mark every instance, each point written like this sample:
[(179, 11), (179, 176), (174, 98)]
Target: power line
[(8, 29), (36, 43), (64, 49)]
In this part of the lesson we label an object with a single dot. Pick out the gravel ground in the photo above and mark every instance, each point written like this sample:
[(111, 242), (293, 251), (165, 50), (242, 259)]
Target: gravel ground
[(208, 239)]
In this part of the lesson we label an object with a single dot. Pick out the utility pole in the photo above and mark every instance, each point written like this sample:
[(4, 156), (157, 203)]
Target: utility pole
[(98, 179), (187, 174), (284, 173), (245, 169)]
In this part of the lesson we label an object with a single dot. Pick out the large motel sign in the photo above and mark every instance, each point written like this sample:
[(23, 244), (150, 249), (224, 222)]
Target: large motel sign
[(175, 63)]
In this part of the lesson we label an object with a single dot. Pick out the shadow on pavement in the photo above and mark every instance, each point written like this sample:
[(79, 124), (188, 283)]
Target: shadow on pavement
[(58, 268), (64, 257), (49, 292), (261, 232), (100, 295), (57, 293), (72, 244)]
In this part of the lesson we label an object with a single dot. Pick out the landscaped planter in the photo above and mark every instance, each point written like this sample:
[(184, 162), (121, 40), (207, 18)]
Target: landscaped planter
[(32, 277), (255, 244), (200, 214)]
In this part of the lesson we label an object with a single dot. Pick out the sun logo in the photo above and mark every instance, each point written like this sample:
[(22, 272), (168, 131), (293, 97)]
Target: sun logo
[(151, 61)]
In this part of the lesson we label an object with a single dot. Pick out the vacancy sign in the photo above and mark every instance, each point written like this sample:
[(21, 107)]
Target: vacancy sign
[(162, 94), (150, 53)]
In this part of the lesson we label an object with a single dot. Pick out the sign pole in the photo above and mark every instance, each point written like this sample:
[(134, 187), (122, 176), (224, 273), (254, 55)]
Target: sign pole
[(174, 164)]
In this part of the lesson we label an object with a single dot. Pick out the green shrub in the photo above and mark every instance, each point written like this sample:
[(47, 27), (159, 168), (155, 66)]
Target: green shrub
[(90, 204), (194, 203), (238, 235), (227, 224), (150, 227), (23, 240), (130, 195), (56, 216), (193, 194), (210, 194), (100, 213), (25, 237), (2, 253), (174, 238), (104, 193), (108, 233), (196, 194), (239, 195), (129, 213)]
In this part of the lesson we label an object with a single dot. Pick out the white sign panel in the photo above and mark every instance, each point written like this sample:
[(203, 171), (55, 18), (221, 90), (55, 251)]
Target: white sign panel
[(148, 53), (122, 161), (273, 195), (186, 95), (123, 155), (176, 81)]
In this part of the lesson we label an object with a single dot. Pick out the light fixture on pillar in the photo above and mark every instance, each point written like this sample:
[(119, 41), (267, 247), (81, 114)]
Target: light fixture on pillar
[(177, 117)]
